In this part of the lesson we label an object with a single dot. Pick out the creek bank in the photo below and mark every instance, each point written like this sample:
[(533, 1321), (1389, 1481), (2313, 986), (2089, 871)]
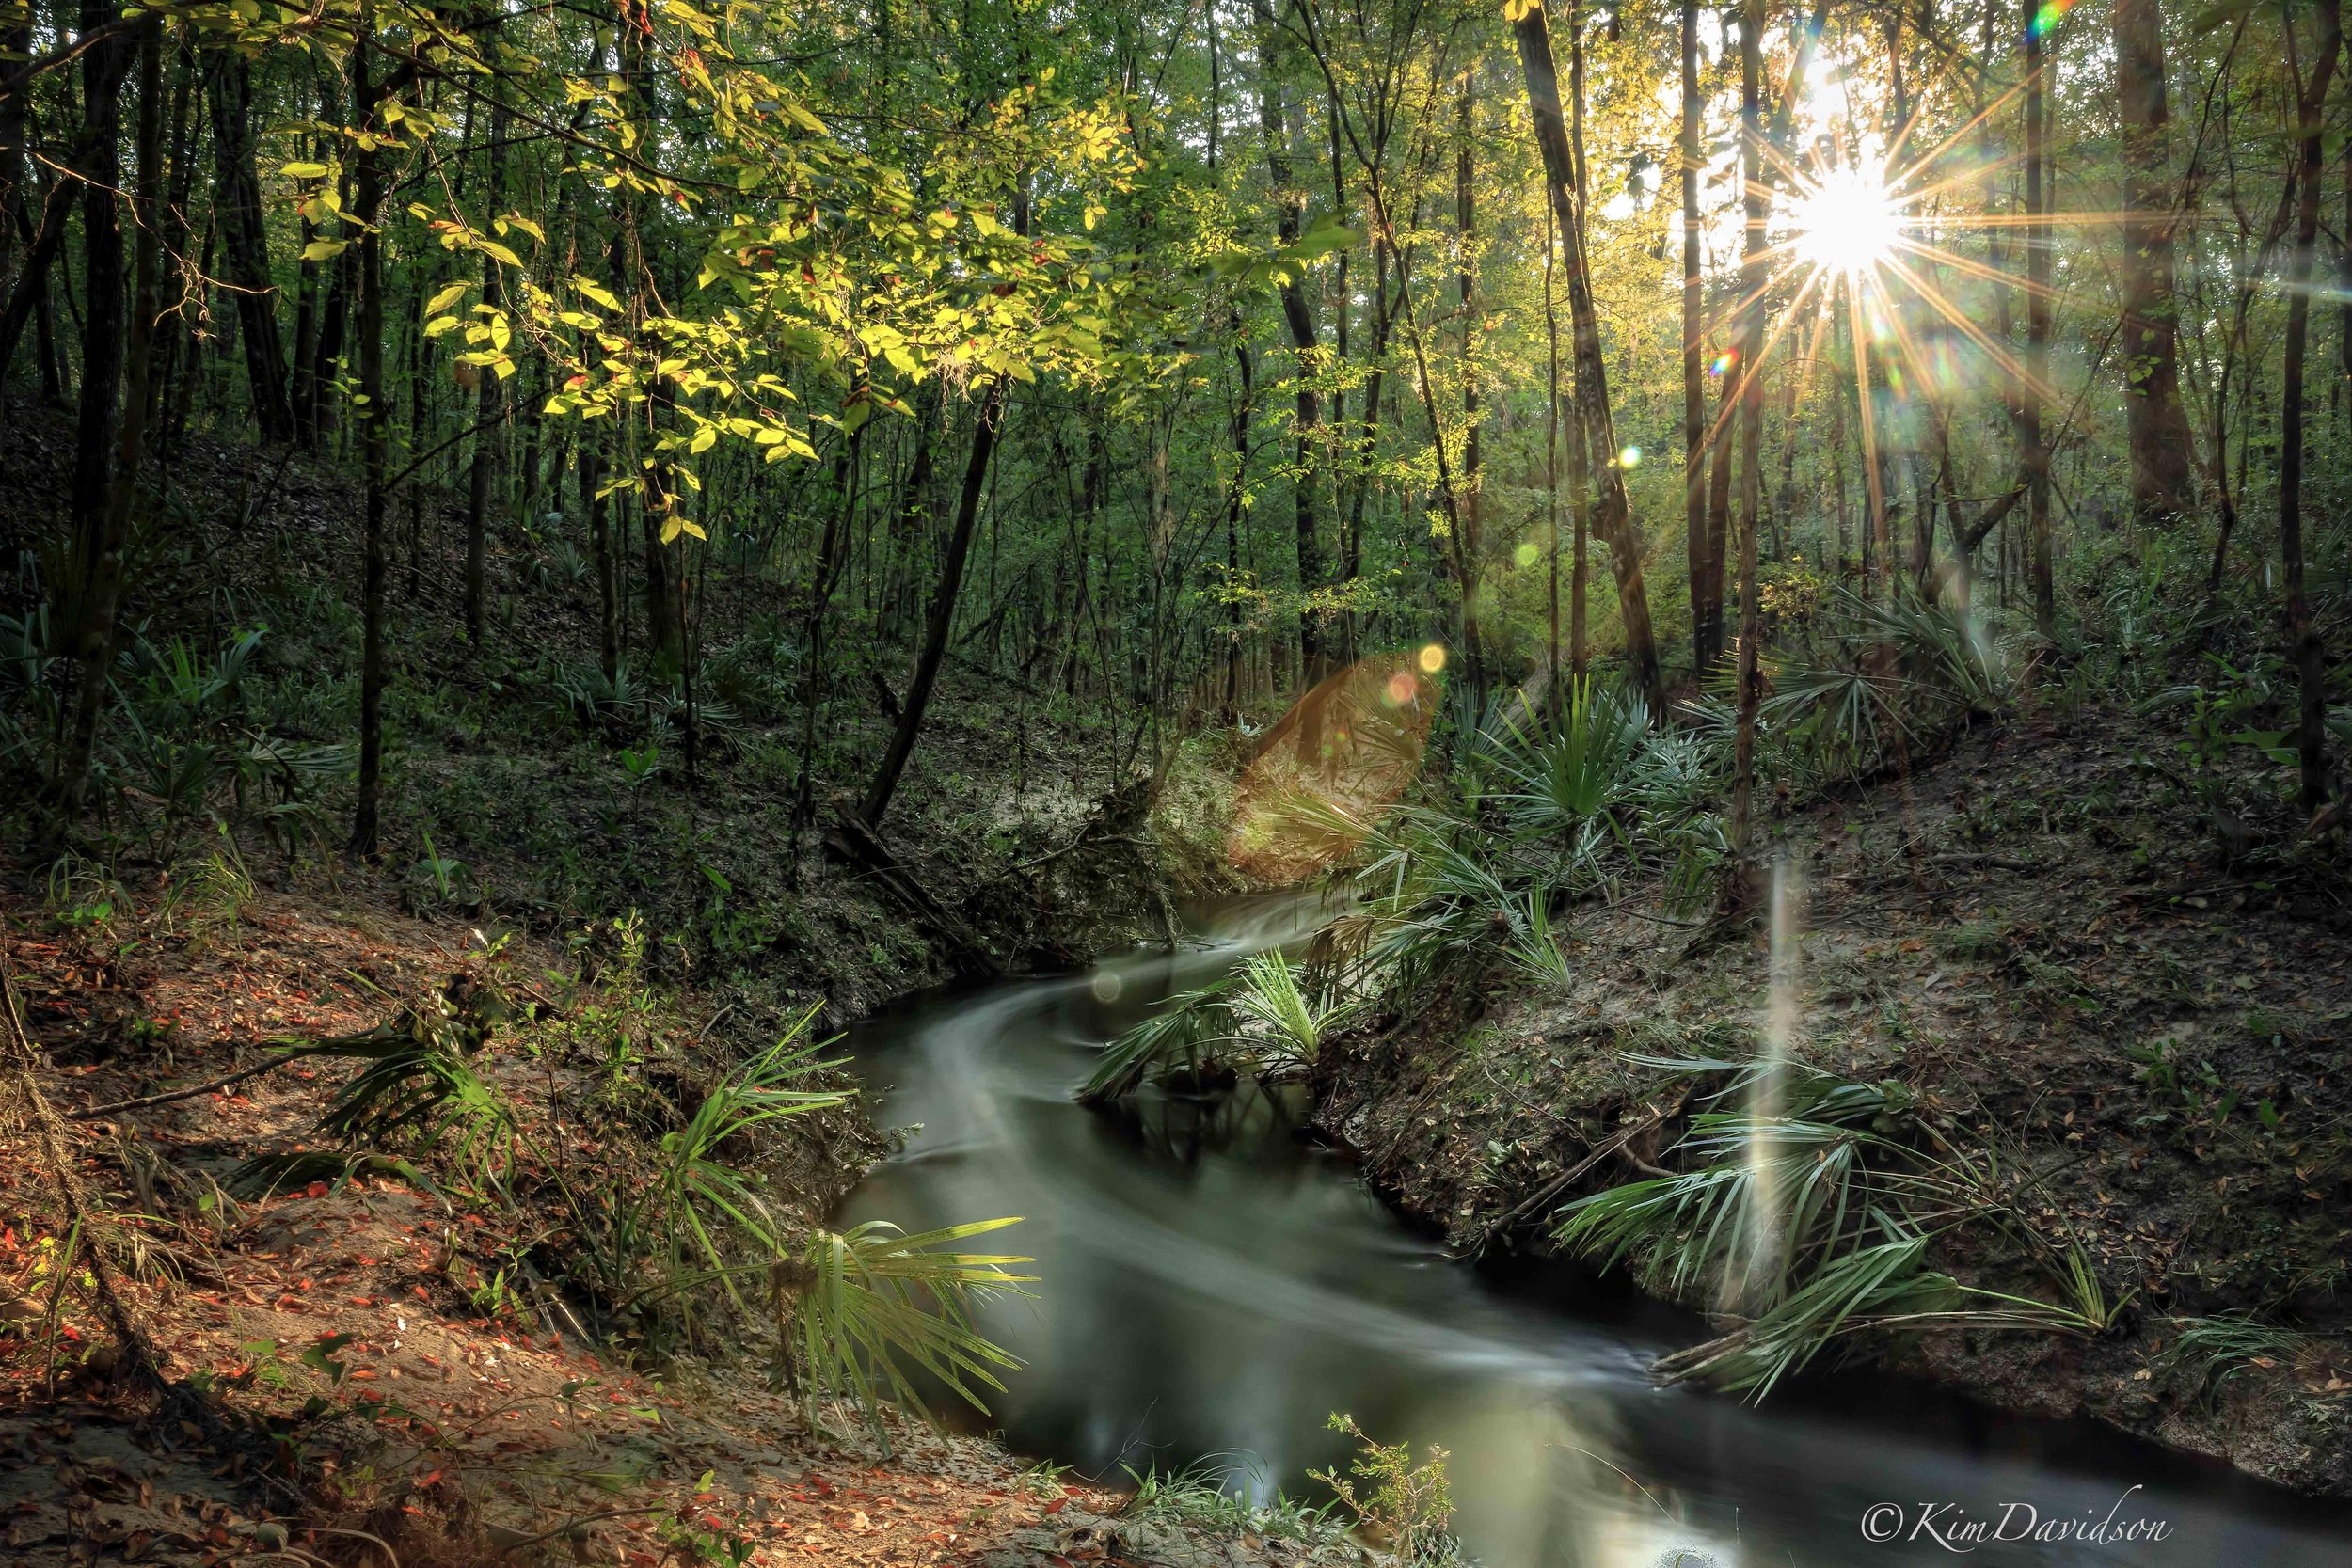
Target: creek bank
[(456, 1409), (2149, 1028)]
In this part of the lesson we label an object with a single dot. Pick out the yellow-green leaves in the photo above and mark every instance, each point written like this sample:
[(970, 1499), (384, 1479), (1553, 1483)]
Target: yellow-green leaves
[(589, 289)]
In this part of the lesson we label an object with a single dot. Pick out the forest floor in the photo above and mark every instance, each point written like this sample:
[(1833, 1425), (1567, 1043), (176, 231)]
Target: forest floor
[(369, 1368), (367, 1360), (2140, 1003), (518, 789)]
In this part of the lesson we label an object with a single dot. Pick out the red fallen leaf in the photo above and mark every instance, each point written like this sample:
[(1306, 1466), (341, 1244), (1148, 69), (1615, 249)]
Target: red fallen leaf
[(1058, 1505), (316, 1189)]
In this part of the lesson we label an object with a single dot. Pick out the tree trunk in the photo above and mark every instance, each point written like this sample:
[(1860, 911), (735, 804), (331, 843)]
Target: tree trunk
[(2163, 451), (106, 461), (1612, 515), (374, 447), (2310, 737), (16, 43), (1299, 318), (593, 502), (245, 246), (1471, 556), (28, 299), (2037, 322), (1693, 352), (487, 396), (1752, 275), (942, 615)]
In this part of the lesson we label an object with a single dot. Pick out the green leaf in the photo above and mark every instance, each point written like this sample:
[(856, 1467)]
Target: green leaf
[(596, 292), (447, 297)]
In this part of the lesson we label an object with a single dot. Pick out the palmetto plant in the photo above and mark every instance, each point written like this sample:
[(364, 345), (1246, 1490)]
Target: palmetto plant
[(1182, 1035), (697, 1204), (876, 1307), (858, 1311), (417, 1081), (1561, 777), (1270, 1015), (1814, 1222), (1290, 1018), (1892, 671)]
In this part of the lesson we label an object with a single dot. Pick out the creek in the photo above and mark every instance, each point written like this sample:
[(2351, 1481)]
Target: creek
[(1214, 1284)]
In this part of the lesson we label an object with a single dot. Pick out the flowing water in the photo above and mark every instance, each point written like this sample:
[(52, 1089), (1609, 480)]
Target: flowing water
[(1214, 1286)]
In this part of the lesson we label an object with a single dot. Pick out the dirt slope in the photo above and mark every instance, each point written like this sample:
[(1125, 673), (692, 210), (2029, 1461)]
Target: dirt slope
[(2052, 941)]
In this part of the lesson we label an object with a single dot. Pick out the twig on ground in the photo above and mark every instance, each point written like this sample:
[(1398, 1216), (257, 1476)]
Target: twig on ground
[(93, 1111)]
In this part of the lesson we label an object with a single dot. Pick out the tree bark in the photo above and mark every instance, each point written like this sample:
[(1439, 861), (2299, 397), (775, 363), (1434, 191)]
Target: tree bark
[(1471, 556), (375, 449), (591, 470), (2163, 450), (245, 246), (2311, 738), (1612, 515), (1753, 274), (107, 458), (487, 397), (1703, 653), (2037, 322), (943, 614), (1299, 318)]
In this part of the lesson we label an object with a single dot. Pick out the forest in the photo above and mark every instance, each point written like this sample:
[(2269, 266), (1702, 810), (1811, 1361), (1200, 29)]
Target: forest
[(1584, 761)]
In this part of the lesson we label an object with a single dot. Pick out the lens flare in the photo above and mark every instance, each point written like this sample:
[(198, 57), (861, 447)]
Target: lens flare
[(1334, 763), (1630, 458), (1849, 223), (2049, 16)]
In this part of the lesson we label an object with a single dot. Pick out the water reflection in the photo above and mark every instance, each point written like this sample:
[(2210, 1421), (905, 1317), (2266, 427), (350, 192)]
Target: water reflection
[(1213, 1285)]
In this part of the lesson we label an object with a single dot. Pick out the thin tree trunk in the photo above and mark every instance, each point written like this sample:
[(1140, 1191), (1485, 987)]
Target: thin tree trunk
[(1299, 318), (107, 458), (1693, 352), (1752, 281), (1534, 37), (2310, 737), (374, 448), (28, 300), (2037, 322), (487, 396), (2163, 451), (592, 500), (245, 246), (942, 615), (1551, 449), (1471, 557)]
